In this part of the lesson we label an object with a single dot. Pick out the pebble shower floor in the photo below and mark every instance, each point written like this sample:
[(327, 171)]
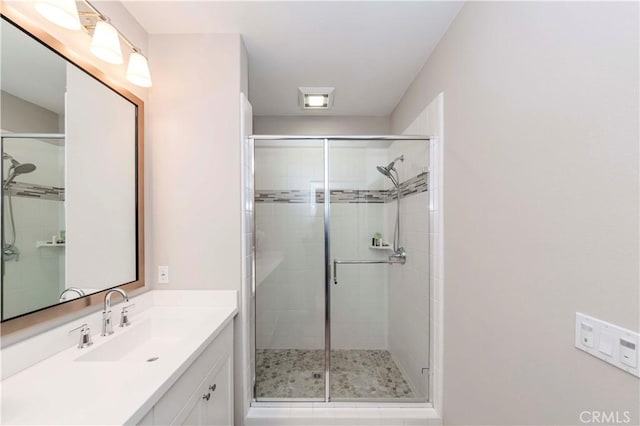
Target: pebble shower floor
[(289, 373)]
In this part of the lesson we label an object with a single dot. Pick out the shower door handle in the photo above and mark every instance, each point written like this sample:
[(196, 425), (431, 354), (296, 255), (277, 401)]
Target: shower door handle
[(337, 262)]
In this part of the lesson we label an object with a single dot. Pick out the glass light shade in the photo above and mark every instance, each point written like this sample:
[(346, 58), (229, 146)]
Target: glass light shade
[(61, 12), (106, 43), (138, 70)]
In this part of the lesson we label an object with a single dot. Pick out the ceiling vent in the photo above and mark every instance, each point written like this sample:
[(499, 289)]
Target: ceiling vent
[(315, 97)]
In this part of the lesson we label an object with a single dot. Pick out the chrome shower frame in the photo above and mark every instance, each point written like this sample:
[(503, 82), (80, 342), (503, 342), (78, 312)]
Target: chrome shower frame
[(399, 256)]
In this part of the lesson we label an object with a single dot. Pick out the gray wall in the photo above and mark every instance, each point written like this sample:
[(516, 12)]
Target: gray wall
[(320, 125), (195, 171), (540, 205), (20, 116), (194, 144)]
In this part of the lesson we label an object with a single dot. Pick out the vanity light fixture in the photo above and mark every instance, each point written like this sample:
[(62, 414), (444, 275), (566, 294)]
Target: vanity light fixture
[(105, 42), (138, 69), (315, 97), (63, 13)]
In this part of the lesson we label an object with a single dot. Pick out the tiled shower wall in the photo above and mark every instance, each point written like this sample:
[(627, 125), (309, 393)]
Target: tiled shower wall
[(290, 255), (415, 291), (409, 284), (37, 278)]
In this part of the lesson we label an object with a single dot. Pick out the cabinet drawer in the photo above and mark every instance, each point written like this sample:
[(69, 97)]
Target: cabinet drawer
[(180, 393)]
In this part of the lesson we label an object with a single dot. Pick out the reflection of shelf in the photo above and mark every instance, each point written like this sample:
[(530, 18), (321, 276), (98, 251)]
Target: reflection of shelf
[(387, 247), (48, 244)]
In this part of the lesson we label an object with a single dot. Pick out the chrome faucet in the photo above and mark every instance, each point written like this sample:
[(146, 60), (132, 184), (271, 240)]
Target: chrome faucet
[(76, 290), (107, 326)]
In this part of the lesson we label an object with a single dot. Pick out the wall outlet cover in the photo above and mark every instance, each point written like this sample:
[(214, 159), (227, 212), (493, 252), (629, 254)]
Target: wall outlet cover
[(613, 344), (163, 275)]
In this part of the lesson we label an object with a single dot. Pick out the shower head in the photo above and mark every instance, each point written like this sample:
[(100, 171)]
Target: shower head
[(22, 169), (16, 169), (391, 165), (386, 170)]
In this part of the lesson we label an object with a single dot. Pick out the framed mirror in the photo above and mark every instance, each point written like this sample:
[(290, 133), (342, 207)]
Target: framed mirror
[(72, 180)]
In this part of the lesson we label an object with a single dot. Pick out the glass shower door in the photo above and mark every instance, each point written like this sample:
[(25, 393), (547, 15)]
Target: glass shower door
[(290, 286), (379, 311)]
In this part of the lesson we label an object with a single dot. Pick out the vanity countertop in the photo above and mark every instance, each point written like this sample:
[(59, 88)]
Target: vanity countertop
[(106, 384)]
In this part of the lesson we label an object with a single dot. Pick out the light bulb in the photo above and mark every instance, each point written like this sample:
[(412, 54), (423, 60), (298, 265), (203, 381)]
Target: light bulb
[(138, 70), (61, 12), (106, 43)]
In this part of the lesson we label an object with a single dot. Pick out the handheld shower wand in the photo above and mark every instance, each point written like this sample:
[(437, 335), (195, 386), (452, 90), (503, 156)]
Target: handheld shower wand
[(387, 170), (9, 249)]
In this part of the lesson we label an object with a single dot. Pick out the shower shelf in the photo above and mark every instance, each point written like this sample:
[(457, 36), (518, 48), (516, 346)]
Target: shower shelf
[(48, 244), (381, 247)]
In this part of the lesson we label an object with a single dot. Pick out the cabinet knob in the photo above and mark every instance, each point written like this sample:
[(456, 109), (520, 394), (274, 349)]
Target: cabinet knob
[(206, 396), (212, 388)]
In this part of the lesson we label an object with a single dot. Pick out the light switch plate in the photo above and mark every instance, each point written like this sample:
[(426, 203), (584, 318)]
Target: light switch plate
[(163, 275), (613, 344)]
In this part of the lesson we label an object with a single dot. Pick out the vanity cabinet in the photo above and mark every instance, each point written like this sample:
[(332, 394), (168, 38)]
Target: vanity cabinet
[(203, 394)]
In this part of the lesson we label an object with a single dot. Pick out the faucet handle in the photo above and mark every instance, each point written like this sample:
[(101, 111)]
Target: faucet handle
[(107, 327), (85, 336), (124, 316)]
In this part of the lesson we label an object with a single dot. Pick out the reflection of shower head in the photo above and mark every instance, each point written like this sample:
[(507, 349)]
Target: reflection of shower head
[(22, 169), (384, 171), (16, 168), (391, 165), (387, 170)]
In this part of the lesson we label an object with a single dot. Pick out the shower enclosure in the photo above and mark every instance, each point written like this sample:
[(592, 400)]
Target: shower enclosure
[(33, 215), (341, 291)]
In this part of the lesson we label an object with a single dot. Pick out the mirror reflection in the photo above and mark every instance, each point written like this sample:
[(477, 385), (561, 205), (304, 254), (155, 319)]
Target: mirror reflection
[(68, 179)]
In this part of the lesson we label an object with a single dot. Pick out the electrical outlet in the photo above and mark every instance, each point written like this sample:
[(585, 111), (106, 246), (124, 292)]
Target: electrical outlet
[(163, 275)]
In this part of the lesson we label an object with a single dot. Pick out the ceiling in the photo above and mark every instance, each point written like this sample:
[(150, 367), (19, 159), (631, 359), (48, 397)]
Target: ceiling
[(370, 51), (30, 70)]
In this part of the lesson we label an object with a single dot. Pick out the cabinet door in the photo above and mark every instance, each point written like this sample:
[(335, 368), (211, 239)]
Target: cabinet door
[(218, 410), (211, 404)]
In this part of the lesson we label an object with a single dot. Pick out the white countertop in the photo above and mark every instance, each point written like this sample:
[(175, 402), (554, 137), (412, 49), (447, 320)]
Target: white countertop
[(62, 390)]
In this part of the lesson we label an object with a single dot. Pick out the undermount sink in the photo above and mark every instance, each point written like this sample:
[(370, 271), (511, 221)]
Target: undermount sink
[(146, 340)]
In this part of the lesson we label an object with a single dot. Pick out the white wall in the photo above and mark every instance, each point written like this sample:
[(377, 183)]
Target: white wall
[(321, 125), (194, 133), (19, 115), (195, 169), (540, 205)]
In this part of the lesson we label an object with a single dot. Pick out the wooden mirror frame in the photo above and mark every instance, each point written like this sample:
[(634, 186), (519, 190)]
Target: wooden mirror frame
[(75, 305)]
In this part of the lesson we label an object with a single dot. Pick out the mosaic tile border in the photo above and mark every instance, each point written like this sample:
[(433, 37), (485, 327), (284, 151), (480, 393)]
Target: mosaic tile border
[(31, 190), (415, 185), (337, 196), (412, 186)]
